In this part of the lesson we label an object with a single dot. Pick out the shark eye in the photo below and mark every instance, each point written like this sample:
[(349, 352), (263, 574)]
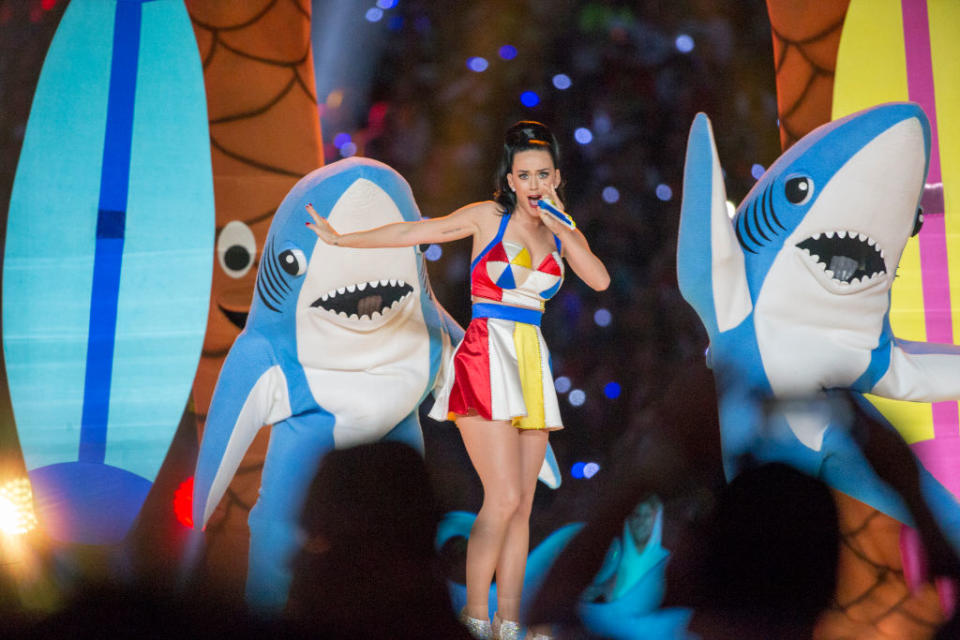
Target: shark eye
[(918, 222), (236, 248), (798, 189), (293, 262)]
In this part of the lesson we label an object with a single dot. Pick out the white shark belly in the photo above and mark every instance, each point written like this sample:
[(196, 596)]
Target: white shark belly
[(808, 343)]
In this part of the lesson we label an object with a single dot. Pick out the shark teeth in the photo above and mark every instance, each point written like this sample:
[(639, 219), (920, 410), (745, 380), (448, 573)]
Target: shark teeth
[(369, 300), (846, 257)]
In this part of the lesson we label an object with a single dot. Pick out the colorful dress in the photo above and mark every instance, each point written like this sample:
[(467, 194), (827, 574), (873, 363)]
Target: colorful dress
[(501, 369)]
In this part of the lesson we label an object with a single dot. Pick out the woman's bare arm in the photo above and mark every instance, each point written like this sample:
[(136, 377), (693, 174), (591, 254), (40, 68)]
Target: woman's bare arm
[(459, 224)]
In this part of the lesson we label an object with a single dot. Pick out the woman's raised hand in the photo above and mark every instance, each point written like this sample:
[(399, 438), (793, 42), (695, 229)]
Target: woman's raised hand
[(321, 227)]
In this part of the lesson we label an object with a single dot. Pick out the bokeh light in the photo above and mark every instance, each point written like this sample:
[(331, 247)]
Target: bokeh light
[(610, 194), (664, 192), (374, 14), (602, 317), (478, 64), (16, 507), (433, 252), (386, 4), (576, 470), (348, 149), (577, 397), (562, 81), (583, 135), (562, 384), (507, 52), (590, 469), (529, 99), (731, 209), (612, 390), (341, 139), (757, 171), (684, 43)]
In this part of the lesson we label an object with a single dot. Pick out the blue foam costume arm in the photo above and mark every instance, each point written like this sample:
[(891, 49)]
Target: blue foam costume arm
[(921, 372), (710, 264), (251, 392)]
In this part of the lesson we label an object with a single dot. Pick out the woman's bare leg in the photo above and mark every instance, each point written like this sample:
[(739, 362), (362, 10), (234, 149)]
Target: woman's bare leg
[(494, 449), (513, 555)]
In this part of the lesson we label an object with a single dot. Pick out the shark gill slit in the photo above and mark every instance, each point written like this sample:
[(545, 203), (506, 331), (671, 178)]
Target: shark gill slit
[(264, 287), (746, 226), (263, 298), (271, 280), (276, 267), (756, 220), (740, 239), (768, 204), (763, 210)]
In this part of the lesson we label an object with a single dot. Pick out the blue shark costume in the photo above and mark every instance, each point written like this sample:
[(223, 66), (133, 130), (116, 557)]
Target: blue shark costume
[(340, 348), (794, 293)]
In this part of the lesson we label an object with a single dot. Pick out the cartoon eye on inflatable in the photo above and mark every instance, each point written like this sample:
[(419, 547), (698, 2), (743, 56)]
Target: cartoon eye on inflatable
[(917, 222), (798, 189), (236, 249), (293, 262)]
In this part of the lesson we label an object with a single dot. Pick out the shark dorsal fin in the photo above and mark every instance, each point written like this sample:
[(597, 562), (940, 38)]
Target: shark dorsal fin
[(710, 264)]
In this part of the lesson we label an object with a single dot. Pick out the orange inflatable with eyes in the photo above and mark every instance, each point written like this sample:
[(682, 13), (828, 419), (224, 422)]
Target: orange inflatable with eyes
[(264, 136)]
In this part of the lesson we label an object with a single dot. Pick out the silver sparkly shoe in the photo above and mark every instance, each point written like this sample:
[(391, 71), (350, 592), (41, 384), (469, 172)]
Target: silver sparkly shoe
[(537, 636), (505, 629), (479, 629)]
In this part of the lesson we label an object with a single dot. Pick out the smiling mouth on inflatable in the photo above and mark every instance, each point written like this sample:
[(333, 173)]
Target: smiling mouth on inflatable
[(846, 256), (370, 300)]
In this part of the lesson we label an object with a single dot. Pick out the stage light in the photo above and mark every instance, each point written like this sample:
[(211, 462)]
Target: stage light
[(610, 195), (433, 252), (386, 4), (478, 64), (664, 192), (577, 397), (590, 469), (529, 99), (583, 135), (348, 149), (507, 52), (577, 469), (612, 390), (684, 43), (731, 209), (183, 503), (562, 384), (341, 139), (602, 317), (374, 14), (16, 507), (562, 81)]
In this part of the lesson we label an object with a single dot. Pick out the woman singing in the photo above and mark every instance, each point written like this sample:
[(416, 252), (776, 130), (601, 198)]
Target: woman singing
[(499, 389)]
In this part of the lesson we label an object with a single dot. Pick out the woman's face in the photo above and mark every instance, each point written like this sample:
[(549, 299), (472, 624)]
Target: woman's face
[(532, 177)]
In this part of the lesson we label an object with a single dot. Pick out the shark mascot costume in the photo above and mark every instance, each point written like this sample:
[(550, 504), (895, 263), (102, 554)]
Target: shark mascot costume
[(794, 293), (340, 348)]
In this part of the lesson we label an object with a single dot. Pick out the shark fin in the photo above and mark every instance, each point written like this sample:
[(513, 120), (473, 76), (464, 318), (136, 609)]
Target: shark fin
[(710, 264), (251, 392)]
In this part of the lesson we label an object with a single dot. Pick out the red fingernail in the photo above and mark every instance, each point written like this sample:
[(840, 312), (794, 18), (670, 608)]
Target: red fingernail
[(307, 223)]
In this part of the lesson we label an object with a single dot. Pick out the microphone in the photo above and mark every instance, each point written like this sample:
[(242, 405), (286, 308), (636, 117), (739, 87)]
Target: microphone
[(550, 207)]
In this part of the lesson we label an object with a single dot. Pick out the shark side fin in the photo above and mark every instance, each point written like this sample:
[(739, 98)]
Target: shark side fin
[(710, 264), (251, 392), (921, 372)]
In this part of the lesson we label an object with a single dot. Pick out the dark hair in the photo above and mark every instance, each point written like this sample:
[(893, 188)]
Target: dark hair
[(522, 136)]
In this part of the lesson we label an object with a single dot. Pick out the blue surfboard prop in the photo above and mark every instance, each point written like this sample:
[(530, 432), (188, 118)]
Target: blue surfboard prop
[(108, 261)]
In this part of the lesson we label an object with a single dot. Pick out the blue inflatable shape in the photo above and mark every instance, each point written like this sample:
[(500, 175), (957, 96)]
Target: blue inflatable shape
[(107, 264)]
